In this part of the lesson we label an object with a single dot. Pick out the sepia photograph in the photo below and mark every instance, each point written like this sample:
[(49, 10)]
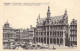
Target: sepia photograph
[(40, 25)]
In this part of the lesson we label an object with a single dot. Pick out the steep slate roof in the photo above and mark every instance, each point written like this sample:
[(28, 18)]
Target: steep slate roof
[(54, 19), (57, 18)]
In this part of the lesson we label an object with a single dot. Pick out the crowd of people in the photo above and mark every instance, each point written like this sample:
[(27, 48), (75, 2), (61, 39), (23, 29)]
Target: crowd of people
[(25, 45)]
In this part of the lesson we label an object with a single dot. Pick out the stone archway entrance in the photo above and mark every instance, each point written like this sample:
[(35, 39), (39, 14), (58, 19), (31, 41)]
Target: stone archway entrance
[(57, 40), (54, 41), (36, 39), (47, 40), (50, 40), (61, 41), (44, 40), (41, 40)]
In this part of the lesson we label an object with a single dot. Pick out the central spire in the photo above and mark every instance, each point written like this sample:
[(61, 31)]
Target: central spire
[(65, 12), (48, 12)]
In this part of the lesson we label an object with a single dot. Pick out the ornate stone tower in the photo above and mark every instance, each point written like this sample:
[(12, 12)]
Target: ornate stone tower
[(65, 17), (6, 25), (48, 16), (48, 12)]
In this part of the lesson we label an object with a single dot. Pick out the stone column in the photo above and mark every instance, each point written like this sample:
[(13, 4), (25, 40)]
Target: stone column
[(71, 41), (63, 38), (35, 39), (38, 35), (59, 41), (43, 36), (52, 40), (46, 35), (56, 37), (49, 34), (40, 39)]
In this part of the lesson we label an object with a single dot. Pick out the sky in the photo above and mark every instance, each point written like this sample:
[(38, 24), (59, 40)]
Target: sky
[(22, 16)]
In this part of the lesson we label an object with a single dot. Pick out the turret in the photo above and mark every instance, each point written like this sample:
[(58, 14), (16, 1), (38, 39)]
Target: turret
[(65, 17), (48, 12), (6, 25), (65, 13)]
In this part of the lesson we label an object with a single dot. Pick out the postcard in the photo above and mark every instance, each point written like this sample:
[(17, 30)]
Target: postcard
[(51, 25)]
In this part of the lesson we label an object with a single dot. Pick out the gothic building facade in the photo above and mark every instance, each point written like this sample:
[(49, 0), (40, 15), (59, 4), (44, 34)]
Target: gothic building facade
[(14, 35), (53, 30), (31, 33), (73, 32), (9, 35)]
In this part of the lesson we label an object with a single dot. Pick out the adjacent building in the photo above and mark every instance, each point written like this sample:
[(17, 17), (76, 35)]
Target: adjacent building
[(14, 35), (73, 32), (31, 34), (9, 35), (24, 36)]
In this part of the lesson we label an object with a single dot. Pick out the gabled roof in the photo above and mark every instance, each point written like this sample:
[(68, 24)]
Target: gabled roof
[(73, 22), (54, 19)]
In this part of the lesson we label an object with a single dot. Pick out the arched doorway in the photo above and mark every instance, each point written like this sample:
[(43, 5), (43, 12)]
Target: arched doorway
[(54, 41), (50, 40), (57, 40), (47, 40), (36, 39), (44, 40), (41, 40), (61, 41)]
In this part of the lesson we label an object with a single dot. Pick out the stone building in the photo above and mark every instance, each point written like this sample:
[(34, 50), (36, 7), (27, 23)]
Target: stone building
[(31, 34), (14, 35), (52, 29), (9, 35), (17, 35), (73, 32), (24, 35)]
